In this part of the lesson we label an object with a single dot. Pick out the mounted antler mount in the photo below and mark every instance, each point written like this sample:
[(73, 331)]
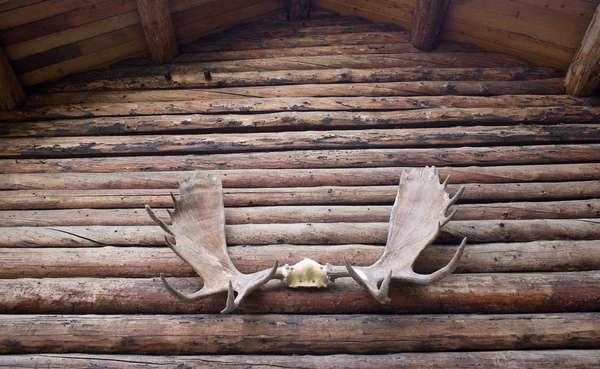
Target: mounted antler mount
[(197, 235)]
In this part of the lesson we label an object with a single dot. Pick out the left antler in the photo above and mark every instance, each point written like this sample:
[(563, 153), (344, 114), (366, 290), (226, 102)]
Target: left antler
[(198, 229), (416, 220)]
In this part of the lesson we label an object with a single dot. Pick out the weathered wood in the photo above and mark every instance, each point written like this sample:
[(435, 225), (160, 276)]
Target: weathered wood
[(359, 38), (305, 233), (53, 147), (304, 113), (293, 112), (427, 22), (363, 158), (458, 293), (409, 60), (12, 94), (184, 76), (297, 9), (331, 195), (381, 49), (155, 16), (257, 178), (575, 359), (309, 214), (316, 334), (143, 262), (583, 76)]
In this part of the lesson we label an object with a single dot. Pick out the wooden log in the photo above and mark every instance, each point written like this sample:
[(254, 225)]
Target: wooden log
[(155, 16), (458, 293), (315, 334), (55, 147), (311, 214), (583, 76), (305, 233), (409, 60), (149, 262), (297, 9), (184, 76), (364, 158), (293, 112), (257, 178), (189, 116), (330, 195), (575, 359), (427, 22), (12, 94), (359, 38), (381, 49)]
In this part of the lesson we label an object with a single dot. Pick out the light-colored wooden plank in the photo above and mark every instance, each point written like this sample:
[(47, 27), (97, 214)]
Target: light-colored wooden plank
[(72, 35), (583, 76)]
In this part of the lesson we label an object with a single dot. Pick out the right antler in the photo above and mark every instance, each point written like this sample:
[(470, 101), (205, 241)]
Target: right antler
[(198, 229)]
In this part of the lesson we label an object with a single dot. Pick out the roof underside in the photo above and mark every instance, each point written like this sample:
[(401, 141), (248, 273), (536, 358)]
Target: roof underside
[(310, 141), (46, 39)]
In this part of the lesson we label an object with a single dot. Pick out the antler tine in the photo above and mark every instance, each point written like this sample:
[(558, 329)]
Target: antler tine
[(198, 295), (440, 273), (380, 293), (159, 221), (258, 280), (456, 196)]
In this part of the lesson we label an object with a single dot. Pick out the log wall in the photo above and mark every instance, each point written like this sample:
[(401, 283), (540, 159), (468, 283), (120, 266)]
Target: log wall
[(547, 33), (310, 132)]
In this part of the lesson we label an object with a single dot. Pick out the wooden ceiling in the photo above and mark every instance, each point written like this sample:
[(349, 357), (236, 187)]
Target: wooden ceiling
[(45, 40)]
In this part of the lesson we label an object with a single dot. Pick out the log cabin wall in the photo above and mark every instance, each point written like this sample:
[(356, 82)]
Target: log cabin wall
[(545, 32), (310, 124), (48, 39)]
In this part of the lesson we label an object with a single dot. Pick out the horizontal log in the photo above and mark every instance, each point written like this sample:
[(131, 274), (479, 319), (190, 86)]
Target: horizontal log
[(486, 88), (498, 155), (575, 359), (310, 214), (361, 38), (305, 113), (364, 49), (142, 262), (305, 140), (190, 76), (257, 178), (315, 334), (373, 61), (305, 233), (333, 195), (458, 293)]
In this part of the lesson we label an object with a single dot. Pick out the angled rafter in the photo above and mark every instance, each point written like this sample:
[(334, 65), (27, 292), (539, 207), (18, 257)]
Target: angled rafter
[(297, 9), (583, 76), (428, 19), (155, 16), (11, 91)]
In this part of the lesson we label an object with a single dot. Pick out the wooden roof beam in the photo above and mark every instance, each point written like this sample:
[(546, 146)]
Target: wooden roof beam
[(155, 16), (428, 19), (583, 76), (297, 9), (11, 91)]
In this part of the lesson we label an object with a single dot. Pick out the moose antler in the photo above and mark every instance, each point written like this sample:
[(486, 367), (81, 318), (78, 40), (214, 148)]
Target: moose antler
[(198, 229), (417, 217)]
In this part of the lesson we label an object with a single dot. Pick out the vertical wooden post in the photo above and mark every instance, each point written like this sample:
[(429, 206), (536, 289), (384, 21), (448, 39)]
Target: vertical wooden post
[(297, 9), (583, 76), (11, 91), (156, 21), (428, 19)]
